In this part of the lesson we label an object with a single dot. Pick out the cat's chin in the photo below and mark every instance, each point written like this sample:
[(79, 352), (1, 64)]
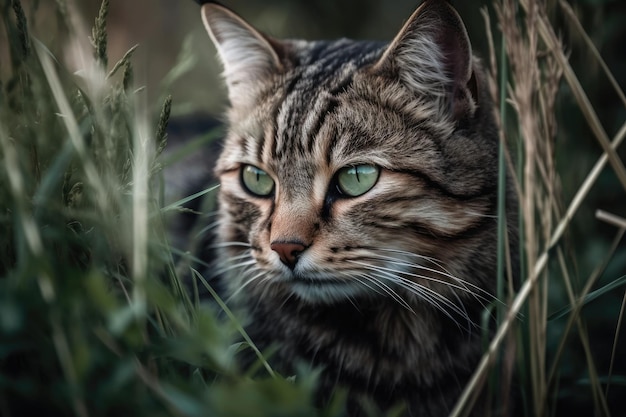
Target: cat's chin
[(325, 291)]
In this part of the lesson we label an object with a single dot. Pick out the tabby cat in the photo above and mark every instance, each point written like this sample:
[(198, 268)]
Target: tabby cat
[(357, 208)]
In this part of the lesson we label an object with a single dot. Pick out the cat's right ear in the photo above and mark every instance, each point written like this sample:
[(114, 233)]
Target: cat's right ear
[(248, 56), (432, 55)]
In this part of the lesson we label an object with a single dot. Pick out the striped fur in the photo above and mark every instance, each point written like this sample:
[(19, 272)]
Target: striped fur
[(389, 287)]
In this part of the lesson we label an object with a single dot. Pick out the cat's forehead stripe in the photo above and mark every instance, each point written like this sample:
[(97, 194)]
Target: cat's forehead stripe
[(307, 98)]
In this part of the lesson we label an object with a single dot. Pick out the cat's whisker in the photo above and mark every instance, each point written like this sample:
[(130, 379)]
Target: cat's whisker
[(482, 300), (481, 295), (352, 301), (434, 261), (226, 263), (437, 263), (386, 290), (428, 294), (287, 298), (436, 299), (248, 281), (430, 259), (221, 245), (365, 280), (442, 270), (208, 228), (481, 215), (359, 278), (232, 266), (402, 262), (243, 255), (458, 286)]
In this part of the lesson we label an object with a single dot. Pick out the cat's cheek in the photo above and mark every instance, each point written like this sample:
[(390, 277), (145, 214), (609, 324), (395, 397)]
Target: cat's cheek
[(230, 183)]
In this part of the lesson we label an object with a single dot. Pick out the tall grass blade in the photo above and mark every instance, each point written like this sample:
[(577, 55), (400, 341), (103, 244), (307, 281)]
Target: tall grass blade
[(235, 321), (579, 304), (618, 326), (590, 297)]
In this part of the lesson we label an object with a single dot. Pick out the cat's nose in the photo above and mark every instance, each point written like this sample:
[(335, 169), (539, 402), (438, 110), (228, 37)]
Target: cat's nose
[(288, 252)]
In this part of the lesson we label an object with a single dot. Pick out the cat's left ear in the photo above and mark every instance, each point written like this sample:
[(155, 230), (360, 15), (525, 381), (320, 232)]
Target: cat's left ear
[(432, 55), (248, 55)]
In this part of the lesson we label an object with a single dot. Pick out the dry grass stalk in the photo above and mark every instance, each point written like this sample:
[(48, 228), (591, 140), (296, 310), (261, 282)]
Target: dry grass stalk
[(534, 108), (549, 37), (537, 64)]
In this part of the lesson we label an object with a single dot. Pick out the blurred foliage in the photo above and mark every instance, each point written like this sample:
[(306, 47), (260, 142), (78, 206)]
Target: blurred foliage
[(93, 318)]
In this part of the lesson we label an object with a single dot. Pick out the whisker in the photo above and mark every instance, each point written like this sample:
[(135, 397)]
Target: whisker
[(229, 261), (458, 307), (234, 266), (247, 282), (430, 295), (351, 275), (414, 275), (442, 269), (437, 300), (485, 297), (207, 228), (385, 288), (229, 244), (430, 259), (287, 298)]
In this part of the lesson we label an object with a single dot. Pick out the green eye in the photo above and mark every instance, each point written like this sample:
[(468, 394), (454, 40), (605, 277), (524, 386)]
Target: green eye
[(357, 180), (256, 181)]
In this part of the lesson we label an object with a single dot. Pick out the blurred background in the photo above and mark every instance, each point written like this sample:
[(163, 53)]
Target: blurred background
[(170, 36), (171, 32)]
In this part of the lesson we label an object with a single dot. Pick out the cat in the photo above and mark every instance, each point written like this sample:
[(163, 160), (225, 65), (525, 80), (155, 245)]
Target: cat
[(357, 210)]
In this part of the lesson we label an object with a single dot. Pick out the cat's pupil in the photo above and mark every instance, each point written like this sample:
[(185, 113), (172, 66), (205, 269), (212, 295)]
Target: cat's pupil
[(256, 181), (353, 181)]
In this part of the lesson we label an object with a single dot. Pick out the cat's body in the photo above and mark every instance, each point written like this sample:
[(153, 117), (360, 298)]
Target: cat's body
[(358, 205)]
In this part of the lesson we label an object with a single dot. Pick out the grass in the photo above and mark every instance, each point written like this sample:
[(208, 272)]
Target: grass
[(96, 320), (537, 63)]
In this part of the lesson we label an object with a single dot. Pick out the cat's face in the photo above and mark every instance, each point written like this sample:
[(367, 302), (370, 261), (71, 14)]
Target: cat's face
[(355, 169)]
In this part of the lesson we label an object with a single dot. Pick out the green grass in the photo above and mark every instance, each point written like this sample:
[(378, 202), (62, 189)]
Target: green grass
[(95, 320)]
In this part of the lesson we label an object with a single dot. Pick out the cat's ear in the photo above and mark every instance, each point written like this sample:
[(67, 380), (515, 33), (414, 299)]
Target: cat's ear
[(432, 55), (248, 56)]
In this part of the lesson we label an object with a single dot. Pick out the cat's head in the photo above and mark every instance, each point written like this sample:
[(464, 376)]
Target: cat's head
[(357, 169)]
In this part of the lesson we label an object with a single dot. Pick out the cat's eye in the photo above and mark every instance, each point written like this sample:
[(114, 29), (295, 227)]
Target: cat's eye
[(256, 181), (356, 180)]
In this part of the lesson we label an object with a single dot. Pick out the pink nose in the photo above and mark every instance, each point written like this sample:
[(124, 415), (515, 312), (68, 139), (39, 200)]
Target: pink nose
[(288, 252)]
